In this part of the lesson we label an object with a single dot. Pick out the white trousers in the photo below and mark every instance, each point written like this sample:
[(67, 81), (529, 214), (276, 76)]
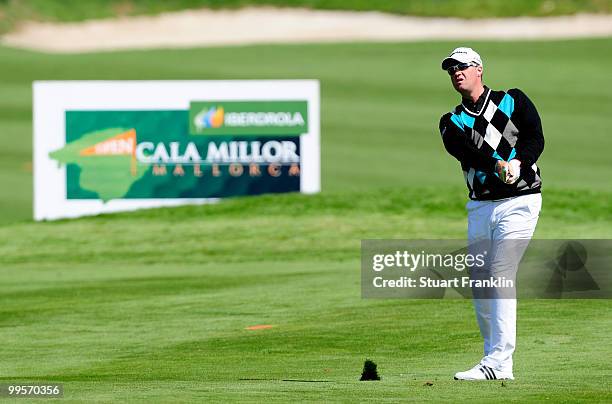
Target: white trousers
[(489, 222)]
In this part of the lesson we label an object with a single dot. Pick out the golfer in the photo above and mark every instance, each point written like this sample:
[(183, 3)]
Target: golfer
[(497, 138)]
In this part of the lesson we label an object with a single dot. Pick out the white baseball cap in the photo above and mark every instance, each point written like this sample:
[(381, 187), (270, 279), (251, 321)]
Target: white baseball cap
[(461, 55)]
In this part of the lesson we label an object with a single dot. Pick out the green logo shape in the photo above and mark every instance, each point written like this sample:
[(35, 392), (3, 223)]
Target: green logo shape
[(106, 159), (261, 118)]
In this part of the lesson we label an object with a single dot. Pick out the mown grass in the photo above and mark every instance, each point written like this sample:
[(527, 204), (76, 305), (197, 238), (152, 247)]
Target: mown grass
[(153, 305), (275, 228)]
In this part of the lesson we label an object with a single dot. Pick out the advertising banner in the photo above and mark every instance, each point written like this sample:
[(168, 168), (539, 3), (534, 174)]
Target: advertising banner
[(113, 146)]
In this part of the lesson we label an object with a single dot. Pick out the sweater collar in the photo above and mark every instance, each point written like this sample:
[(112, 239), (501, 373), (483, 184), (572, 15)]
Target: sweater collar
[(476, 107)]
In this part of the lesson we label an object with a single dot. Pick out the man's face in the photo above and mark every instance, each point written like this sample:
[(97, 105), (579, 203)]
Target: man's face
[(465, 79)]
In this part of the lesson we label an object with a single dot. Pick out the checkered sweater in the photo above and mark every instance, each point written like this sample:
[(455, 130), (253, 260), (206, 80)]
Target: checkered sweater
[(506, 127)]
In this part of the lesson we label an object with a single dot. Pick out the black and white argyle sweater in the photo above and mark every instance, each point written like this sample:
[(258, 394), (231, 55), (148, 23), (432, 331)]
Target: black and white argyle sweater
[(501, 125)]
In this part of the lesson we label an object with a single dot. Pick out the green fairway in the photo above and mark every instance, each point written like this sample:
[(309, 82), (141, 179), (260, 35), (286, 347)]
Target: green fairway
[(154, 305)]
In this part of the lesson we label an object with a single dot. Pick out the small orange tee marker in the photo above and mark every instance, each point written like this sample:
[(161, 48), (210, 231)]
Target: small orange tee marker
[(259, 327)]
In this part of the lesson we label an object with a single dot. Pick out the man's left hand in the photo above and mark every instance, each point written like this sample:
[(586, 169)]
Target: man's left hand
[(508, 172)]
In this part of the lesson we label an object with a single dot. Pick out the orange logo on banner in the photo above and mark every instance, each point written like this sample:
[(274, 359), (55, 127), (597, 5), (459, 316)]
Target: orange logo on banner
[(123, 144), (119, 145)]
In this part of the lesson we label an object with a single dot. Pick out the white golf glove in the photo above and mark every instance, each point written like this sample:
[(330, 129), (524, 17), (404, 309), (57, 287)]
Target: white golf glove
[(515, 171), (509, 172)]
